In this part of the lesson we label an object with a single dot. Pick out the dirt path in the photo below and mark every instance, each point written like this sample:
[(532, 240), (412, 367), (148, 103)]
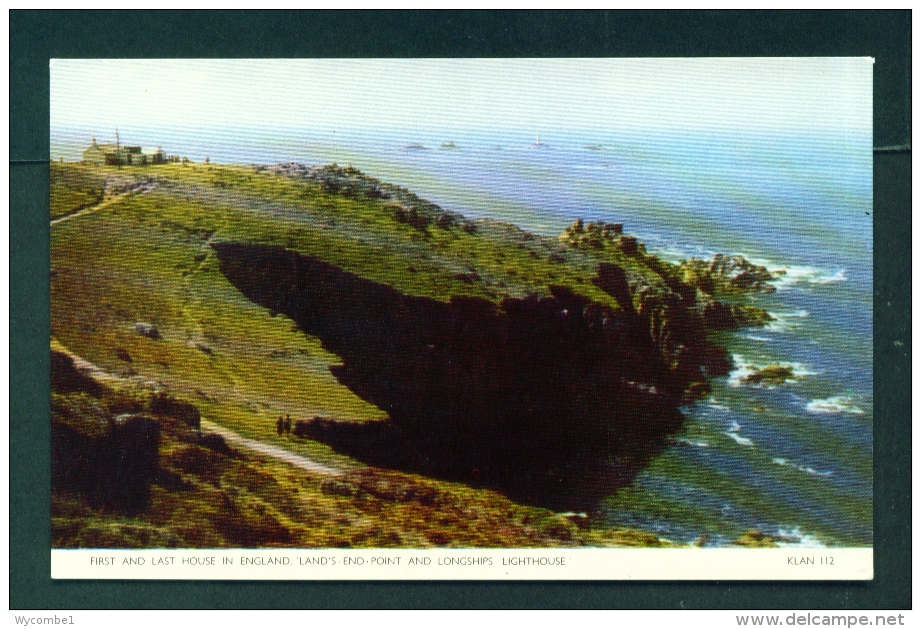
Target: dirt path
[(139, 189), (270, 450), (230, 436)]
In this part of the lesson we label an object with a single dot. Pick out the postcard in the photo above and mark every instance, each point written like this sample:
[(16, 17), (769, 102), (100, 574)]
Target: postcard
[(462, 319)]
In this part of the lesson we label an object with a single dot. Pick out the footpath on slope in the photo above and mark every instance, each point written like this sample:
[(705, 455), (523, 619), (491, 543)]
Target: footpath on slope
[(230, 436), (269, 450), (138, 189)]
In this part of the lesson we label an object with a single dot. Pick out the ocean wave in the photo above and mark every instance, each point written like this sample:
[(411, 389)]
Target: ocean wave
[(742, 371), (788, 538), (834, 406), (733, 433), (689, 442), (739, 439), (800, 370), (790, 275), (786, 321), (675, 251), (802, 468), (806, 275), (831, 279), (746, 368)]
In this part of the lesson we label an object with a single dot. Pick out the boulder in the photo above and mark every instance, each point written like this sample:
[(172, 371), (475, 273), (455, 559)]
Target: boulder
[(215, 442), (147, 329), (629, 245), (187, 413)]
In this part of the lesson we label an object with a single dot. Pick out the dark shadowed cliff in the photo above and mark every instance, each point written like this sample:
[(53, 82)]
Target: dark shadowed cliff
[(553, 400)]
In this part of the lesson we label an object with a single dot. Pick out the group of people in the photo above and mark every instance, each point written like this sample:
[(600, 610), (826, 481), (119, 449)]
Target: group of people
[(283, 425)]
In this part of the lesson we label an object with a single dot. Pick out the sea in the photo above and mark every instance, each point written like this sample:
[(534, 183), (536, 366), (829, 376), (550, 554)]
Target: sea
[(791, 460)]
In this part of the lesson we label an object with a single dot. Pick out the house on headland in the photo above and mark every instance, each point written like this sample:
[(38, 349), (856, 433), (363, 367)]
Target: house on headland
[(116, 155)]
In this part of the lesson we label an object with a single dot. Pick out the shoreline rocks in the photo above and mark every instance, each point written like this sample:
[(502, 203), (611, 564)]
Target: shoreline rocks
[(729, 274)]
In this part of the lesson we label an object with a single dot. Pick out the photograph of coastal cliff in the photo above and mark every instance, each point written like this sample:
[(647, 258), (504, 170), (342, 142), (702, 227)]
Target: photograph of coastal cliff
[(506, 303)]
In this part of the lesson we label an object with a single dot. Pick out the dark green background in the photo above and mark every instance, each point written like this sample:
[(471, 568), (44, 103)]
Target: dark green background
[(37, 36)]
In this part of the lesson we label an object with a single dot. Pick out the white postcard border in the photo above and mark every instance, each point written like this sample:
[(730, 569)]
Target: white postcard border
[(335, 564)]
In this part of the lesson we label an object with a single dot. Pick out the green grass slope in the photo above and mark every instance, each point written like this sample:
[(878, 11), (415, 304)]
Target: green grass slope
[(136, 290), (147, 259)]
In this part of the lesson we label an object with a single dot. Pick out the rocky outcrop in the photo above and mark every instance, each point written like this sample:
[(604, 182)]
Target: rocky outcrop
[(729, 274), (678, 327), (405, 206), (112, 460), (108, 455), (677, 304), (678, 318), (598, 235)]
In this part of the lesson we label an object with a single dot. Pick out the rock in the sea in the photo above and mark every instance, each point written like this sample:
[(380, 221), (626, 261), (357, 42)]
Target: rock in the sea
[(773, 374)]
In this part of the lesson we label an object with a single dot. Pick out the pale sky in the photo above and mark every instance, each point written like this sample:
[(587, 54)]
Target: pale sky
[(776, 94)]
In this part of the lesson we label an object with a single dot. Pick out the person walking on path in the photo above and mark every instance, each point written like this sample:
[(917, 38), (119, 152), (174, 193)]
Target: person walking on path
[(280, 425)]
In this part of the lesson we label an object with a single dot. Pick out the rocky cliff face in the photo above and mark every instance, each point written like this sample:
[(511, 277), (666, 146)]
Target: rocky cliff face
[(112, 459), (554, 400), (727, 274), (678, 304)]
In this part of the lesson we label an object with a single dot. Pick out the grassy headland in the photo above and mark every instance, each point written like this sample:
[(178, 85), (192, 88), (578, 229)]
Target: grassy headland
[(211, 286)]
